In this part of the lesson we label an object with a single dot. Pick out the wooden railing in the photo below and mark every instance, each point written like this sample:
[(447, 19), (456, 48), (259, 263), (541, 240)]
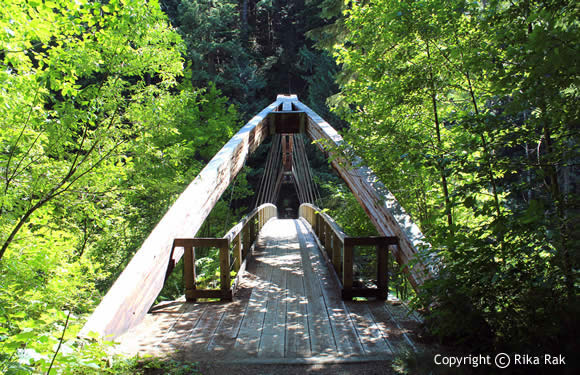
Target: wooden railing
[(339, 251), (238, 241)]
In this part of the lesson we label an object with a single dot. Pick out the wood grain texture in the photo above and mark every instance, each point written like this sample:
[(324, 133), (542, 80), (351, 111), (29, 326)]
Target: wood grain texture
[(133, 293), (379, 203), (293, 312)]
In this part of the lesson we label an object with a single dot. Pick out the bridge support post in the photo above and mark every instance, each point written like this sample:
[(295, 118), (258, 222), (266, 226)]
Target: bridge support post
[(347, 270), (246, 241), (189, 272), (328, 239), (336, 254), (225, 269), (252, 232), (383, 270), (238, 252)]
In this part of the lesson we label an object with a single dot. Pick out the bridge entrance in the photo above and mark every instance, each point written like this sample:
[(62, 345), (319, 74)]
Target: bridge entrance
[(288, 309)]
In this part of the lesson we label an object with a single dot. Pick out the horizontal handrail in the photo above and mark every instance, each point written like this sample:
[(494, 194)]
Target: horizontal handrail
[(307, 208), (242, 236), (339, 251), (236, 229)]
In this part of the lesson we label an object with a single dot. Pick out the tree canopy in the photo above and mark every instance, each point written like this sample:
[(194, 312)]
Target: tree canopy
[(467, 111)]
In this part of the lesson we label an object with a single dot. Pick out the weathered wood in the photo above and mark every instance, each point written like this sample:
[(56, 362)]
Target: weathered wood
[(321, 334), (328, 239), (287, 105), (336, 253), (371, 336), (201, 242), (137, 287), (225, 268), (319, 217), (222, 342), (200, 336), (370, 241), (237, 252), (194, 294), (379, 203), (183, 326), (189, 270), (297, 334), (238, 279), (347, 341), (395, 336), (347, 263), (383, 271), (289, 270), (252, 225), (248, 340), (262, 214), (332, 238), (246, 241), (273, 340)]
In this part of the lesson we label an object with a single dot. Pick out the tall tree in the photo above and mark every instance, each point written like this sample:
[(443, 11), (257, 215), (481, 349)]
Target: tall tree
[(457, 92)]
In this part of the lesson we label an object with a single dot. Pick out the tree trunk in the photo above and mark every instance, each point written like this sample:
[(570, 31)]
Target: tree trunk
[(440, 145)]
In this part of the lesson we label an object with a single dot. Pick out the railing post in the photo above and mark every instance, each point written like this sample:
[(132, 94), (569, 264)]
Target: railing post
[(252, 230), (382, 270), (316, 224), (225, 270), (189, 272), (347, 265), (321, 229), (246, 241), (237, 252), (336, 253), (328, 238)]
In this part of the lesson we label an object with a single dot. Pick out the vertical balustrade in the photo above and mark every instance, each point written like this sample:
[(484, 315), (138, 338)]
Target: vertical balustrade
[(225, 267), (337, 254), (340, 253), (347, 264), (382, 270), (246, 241), (239, 241), (237, 252), (189, 270)]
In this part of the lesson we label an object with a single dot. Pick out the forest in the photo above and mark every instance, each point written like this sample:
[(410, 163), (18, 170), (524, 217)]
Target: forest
[(467, 111)]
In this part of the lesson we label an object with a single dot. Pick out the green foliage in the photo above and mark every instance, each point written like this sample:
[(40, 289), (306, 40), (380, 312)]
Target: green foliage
[(98, 137), (467, 112), (254, 50), (343, 207)]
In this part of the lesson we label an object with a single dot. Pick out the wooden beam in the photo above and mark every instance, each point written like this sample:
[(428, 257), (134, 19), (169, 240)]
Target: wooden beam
[(189, 269), (347, 272), (383, 270), (379, 203), (225, 267), (371, 241), (131, 296), (208, 293), (348, 294)]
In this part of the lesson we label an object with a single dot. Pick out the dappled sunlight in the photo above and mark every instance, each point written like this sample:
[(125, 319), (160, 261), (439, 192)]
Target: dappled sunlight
[(291, 308)]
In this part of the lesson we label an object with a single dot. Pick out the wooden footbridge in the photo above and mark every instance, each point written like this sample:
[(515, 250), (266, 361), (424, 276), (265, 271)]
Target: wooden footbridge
[(291, 296)]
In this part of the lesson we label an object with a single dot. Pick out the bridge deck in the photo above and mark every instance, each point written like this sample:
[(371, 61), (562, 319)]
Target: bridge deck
[(289, 309)]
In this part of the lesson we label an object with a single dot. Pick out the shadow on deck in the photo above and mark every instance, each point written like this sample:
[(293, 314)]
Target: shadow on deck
[(288, 310)]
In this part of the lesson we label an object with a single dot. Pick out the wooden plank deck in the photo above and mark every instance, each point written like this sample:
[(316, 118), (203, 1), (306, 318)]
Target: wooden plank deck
[(288, 309)]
